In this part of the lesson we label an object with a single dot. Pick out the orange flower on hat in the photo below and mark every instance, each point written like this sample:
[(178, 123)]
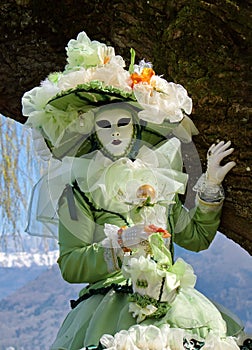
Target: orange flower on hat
[(142, 73), (143, 77)]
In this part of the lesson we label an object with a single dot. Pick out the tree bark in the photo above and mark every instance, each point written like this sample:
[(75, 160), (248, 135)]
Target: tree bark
[(203, 45)]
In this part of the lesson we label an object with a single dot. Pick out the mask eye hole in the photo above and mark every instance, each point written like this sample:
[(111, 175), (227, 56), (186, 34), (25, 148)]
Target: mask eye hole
[(123, 122), (105, 124)]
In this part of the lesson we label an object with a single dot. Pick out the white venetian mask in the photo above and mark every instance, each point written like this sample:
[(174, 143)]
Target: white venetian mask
[(114, 129)]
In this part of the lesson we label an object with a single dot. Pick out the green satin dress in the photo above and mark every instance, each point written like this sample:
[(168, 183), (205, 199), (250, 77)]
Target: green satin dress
[(107, 312)]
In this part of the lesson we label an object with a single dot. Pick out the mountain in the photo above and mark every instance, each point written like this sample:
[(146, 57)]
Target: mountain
[(17, 269), (32, 315)]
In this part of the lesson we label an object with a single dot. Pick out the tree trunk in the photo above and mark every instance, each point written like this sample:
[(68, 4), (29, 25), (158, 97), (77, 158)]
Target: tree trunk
[(203, 45)]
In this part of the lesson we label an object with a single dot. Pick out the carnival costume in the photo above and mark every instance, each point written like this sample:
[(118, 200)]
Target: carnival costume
[(115, 208)]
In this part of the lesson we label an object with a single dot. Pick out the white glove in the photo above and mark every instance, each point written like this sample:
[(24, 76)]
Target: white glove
[(209, 186), (215, 172), (127, 238), (117, 237), (132, 236)]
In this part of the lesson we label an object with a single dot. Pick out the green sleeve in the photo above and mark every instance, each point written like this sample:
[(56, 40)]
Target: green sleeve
[(82, 259), (195, 229)]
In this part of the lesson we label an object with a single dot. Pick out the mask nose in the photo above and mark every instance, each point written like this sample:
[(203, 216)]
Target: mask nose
[(115, 131), (115, 134)]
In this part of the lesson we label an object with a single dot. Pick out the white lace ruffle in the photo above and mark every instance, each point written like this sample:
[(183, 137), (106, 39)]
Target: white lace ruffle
[(112, 185)]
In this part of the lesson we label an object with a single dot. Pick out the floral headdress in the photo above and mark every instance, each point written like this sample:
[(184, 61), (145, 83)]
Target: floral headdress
[(95, 76)]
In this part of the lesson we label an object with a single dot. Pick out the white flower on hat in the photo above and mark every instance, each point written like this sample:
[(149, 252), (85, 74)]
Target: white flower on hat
[(93, 61), (85, 53), (162, 100), (159, 99), (36, 99), (113, 74), (74, 78)]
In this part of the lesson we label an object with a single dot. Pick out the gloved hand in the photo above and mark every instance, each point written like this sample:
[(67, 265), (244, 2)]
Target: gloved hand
[(215, 172), (129, 237), (132, 236), (124, 237)]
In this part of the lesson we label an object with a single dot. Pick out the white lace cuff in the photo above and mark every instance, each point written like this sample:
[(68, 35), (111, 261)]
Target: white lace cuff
[(111, 258), (208, 192)]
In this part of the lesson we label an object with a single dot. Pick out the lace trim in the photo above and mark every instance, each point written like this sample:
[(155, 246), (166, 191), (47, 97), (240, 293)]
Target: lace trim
[(111, 259), (208, 192)]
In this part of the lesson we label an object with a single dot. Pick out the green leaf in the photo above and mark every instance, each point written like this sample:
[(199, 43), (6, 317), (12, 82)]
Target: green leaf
[(132, 60)]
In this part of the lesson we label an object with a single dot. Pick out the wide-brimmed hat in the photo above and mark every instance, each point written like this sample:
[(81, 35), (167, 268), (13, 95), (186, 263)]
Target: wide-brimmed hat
[(60, 109)]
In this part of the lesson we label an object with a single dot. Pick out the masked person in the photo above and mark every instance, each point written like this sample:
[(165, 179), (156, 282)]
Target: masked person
[(112, 192)]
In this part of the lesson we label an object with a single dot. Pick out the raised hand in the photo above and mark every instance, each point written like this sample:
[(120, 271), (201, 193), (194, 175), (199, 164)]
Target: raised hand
[(216, 153)]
